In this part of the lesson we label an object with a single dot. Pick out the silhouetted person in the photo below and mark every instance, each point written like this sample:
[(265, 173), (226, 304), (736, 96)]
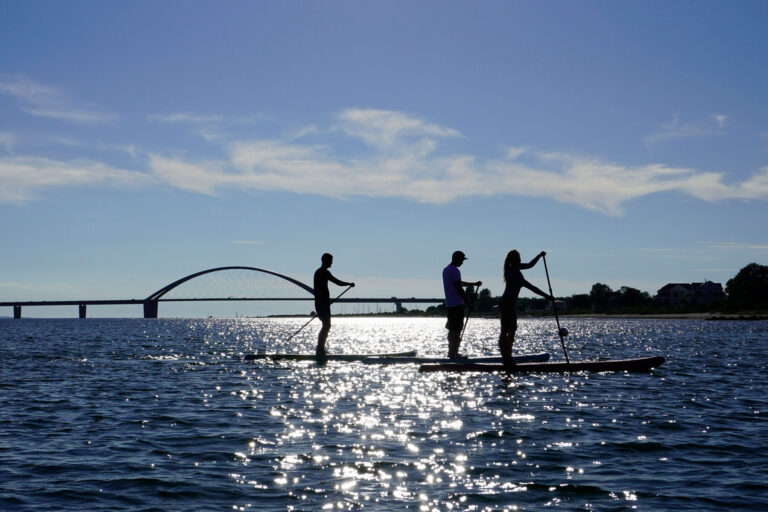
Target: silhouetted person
[(455, 299), (323, 299), (515, 281)]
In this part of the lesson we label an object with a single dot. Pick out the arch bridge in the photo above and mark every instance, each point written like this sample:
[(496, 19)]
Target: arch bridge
[(283, 288)]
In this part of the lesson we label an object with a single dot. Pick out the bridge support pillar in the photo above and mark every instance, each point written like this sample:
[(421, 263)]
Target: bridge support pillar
[(81, 311), (17, 312), (150, 309), (398, 305)]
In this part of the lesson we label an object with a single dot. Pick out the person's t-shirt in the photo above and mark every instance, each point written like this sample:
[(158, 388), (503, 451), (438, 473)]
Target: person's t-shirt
[(322, 276), (451, 276)]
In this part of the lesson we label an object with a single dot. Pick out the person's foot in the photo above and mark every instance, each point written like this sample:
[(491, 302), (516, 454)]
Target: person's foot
[(320, 353)]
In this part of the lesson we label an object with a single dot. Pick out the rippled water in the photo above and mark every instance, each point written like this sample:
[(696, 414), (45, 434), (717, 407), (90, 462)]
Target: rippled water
[(165, 415)]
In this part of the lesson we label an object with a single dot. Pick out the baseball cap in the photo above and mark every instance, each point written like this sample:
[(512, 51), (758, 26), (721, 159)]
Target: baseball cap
[(458, 255)]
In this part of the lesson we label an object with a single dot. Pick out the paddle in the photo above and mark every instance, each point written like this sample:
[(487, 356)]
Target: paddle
[(554, 308), (466, 320), (314, 315)]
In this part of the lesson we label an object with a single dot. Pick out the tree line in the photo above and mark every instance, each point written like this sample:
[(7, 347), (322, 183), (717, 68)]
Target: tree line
[(746, 291)]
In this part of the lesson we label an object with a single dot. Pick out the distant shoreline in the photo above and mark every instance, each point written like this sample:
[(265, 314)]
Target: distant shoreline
[(675, 316)]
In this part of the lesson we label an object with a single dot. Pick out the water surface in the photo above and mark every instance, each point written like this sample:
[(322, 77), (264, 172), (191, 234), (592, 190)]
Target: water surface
[(165, 415)]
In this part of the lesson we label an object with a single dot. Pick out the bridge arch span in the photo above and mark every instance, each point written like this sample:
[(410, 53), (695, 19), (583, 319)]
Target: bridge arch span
[(151, 302)]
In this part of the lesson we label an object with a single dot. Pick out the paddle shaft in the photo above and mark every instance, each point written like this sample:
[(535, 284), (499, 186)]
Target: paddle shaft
[(466, 320), (314, 315), (554, 309)]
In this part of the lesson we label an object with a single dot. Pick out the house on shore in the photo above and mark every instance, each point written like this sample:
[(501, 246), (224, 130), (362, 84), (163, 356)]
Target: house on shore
[(683, 294)]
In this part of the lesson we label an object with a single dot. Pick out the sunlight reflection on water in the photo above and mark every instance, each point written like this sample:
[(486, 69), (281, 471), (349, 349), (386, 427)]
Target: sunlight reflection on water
[(446, 441)]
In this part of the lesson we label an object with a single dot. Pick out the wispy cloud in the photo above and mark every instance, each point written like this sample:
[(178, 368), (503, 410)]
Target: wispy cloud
[(206, 122), (247, 242), (7, 141), (384, 128), (202, 178), (54, 140), (46, 101), (185, 117), (514, 152), (755, 187), (211, 127), (405, 160), (720, 119), (706, 251), (304, 131), (21, 177), (660, 250), (712, 126), (415, 173), (606, 187), (736, 246)]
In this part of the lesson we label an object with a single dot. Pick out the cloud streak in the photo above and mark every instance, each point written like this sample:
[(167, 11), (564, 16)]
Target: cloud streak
[(21, 177), (713, 126), (247, 242), (737, 246), (7, 141), (384, 128), (45, 101), (185, 117)]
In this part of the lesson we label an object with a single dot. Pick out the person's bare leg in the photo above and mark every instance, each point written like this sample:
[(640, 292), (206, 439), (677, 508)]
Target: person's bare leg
[(505, 348), (322, 336), (512, 329)]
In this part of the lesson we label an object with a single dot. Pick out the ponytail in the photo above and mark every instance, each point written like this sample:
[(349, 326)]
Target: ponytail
[(511, 262)]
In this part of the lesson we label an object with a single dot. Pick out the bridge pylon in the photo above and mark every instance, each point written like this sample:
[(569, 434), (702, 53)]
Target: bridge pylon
[(150, 309)]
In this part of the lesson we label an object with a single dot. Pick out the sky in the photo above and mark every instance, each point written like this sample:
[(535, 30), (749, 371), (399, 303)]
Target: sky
[(144, 141)]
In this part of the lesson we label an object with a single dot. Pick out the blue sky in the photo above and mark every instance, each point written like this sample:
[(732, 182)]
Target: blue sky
[(143, 141)]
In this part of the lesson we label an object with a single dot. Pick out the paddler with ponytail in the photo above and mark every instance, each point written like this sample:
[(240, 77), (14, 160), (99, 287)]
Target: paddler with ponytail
[(508, 304)]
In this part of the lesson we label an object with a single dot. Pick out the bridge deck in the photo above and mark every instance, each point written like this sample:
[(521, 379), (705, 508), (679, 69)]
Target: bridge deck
[(117, 302)]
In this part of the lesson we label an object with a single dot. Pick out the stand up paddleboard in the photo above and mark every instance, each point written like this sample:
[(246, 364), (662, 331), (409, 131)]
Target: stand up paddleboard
[(641, 364), (524, 358), (329, 357)]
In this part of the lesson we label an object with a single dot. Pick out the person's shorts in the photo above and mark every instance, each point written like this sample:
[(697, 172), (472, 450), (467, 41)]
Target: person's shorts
[(455, 318), (323, 310)]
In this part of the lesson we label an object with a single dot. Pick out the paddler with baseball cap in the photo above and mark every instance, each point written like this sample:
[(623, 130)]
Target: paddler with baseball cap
[(455, 300)]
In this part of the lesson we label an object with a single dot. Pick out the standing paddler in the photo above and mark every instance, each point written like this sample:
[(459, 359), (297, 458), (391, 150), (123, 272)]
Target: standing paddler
[(323, 299), (455, 299), (508, 305)]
